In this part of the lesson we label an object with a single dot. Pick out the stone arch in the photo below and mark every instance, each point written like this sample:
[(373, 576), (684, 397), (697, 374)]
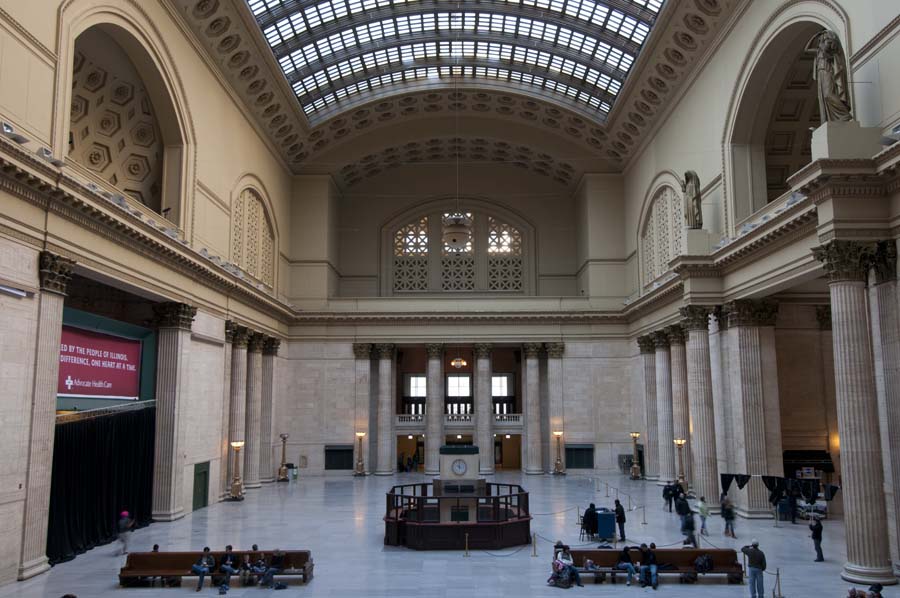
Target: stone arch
[(769, 91), (662, 205), (127, 27), (483, 208), (254, 230)]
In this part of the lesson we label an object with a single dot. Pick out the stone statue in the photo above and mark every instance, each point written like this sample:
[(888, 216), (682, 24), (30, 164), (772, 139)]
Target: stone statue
[(693, 213), (830, 74)]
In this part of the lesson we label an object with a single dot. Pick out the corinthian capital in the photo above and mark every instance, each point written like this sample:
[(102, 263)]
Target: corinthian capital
[(532, 350), (695, 317), (482, 350), (884, 261), (385, 350), (675, 334), (434, 350), (845, 260), (270, 345), (255, 342), (660, 339), (556, 349), (752, 312), (174, 315), (645, 343), (55, 272), (362, 350)]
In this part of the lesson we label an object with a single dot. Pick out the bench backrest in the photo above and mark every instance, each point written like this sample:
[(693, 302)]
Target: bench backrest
[(183, 561), (722, 558)]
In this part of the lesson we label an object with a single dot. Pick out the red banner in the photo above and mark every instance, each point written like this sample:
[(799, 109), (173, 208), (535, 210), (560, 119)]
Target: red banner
[(100, 366)]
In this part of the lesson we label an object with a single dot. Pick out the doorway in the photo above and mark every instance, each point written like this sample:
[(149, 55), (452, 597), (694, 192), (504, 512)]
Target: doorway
[(410, 453), (201, 485), (507, 451)]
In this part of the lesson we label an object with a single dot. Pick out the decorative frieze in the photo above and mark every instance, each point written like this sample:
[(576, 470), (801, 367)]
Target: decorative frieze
[(823, 317), (55, 272), (660, 339), (675, 334), (884, 262), (362, 350), (385, 350), (645, 343), (255, 342), (694, 317), (845, 260), (752, 312), (174, 315), (482, 350), (434, 350), (270, 345), (556, 349), (532, 349)]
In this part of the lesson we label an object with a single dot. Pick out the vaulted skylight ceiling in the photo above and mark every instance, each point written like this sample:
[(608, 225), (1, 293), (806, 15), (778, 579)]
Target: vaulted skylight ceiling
[(338, 53)]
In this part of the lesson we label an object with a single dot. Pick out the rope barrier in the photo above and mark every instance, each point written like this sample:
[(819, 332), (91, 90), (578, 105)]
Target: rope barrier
[(555, 512)]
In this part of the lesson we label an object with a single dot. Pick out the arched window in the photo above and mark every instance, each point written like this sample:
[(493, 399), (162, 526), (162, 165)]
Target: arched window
[(458, 250), (661, 237), (252, 237)]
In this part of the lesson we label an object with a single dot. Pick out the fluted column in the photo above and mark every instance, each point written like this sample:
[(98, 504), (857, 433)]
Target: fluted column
[(386, 439), (749, 376), (434, 407), (555, 398), (651, 431), (484, 409), (700, 397), (363, 399), (718, 356), (664, 421), (681, 424), (55, 272), (267, 404), (254, 410), (868, 555), (533, 464), (225, 448), (173, 346), (238, 404)]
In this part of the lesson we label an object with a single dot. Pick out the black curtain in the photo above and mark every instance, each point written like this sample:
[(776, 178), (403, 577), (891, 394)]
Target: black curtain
[(101, 467)]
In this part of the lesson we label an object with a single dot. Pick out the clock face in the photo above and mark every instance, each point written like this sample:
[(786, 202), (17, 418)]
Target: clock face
[(459, 467)]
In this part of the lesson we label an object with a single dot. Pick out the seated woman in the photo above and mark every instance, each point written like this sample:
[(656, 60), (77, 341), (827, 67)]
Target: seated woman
[(563, 568), (623, 563)]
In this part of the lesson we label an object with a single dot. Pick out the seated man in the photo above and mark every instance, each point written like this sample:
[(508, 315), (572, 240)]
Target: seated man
[(203, 566), (228, 566), (648, 567), (624, 563), (276, 565), (589, 521)]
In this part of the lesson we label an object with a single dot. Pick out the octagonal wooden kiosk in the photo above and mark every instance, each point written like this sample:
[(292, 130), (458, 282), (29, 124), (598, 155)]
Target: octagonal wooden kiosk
[(439, 515)]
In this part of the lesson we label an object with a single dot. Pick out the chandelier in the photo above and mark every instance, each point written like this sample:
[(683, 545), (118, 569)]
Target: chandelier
[(458, 362), (457, 233)]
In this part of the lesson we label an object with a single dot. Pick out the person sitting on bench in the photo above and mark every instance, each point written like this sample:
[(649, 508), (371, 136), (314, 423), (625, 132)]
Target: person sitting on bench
[(203, 566), (590, 521), (624, 563), (228, 566), (276, 565), (648, 567)]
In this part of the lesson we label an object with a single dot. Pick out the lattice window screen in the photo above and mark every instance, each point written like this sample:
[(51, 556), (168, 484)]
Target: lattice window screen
[(252, 237), (411, 257), (663, 236), (412, 239), (505, 267), (458, 272)]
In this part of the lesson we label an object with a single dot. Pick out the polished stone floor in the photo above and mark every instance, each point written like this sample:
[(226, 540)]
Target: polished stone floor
[(339, 519)]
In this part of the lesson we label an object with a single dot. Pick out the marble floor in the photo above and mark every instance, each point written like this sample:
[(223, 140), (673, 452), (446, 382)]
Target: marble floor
[(339, 519)]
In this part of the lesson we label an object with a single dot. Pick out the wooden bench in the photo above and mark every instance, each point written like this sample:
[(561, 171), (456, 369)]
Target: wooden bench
[(669, 561), (175, 565)]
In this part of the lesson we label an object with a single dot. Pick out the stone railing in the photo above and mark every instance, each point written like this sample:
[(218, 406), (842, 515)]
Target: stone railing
[(410, 421), (458, 419), (508, 418)]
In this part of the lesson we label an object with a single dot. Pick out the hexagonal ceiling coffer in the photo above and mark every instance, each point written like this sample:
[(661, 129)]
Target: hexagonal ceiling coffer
[(137, 167), (109, 123), (143, 134), (97, 157), (79, 108)]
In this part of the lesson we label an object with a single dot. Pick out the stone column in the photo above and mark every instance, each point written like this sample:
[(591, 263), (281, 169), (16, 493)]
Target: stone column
[(55, 272), (681, 417), (651, 431), (555, 399), (718, 357), (386, 439), (363, 385), (238, 401), (664, 421), (254, 410), (749, 376), (225, 448), (700, 396), (267, 405), (484, 409), (173, 345), (532, 436), (868, 555), (434, 408)]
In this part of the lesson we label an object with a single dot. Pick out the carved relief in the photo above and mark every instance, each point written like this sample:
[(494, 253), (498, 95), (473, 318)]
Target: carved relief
[(55, 271), (845, 260)]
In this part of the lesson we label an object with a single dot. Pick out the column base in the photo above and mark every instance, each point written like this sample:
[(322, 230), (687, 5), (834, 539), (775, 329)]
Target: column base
[(268, 481), (868, 575), (651, 478), (33, 568), (167, 516), (432, 472), (389, 472), (485, 472), (534, 472), (754, 513), (252, 485)]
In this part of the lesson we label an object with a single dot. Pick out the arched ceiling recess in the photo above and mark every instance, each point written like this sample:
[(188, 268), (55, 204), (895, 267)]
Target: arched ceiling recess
[(564, 63), (333, 51), (447, 150)]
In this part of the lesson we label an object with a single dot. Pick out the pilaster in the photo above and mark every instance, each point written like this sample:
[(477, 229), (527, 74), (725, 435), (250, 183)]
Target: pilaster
[(224, 447), (484, 409), (267, 405), (665, 422), (555, 398), (651, 431), (434, 407), (253, 415), (681, 417), (237, 415), (362, 353), (386, 439), (532, 439)]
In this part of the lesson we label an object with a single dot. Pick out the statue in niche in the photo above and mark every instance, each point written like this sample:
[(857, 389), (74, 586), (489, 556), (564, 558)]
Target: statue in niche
[(830, 75), (693, 212)]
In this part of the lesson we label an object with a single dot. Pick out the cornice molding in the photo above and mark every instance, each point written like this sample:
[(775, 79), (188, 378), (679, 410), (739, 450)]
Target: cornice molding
[(574, 317)]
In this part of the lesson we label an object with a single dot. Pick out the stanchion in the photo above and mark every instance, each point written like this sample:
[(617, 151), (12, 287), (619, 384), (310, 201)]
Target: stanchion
[(577, 515), (617, 493), (776, 593), (466, 553), (775, 511), (607, 489), (533, 544), (629, 502), (644, 514)]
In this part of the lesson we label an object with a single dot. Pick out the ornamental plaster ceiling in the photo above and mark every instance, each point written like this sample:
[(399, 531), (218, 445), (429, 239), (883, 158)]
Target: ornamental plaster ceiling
[(682, 35)]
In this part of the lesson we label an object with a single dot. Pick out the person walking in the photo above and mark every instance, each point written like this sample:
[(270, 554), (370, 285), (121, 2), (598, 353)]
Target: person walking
[(687, 528), (728, 516), (668, 495), (756, 566), (125, 526), (620, 519), (703, 511), (816, 528)]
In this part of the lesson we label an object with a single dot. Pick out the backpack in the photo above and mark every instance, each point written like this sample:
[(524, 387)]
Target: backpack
[(703, 563)]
